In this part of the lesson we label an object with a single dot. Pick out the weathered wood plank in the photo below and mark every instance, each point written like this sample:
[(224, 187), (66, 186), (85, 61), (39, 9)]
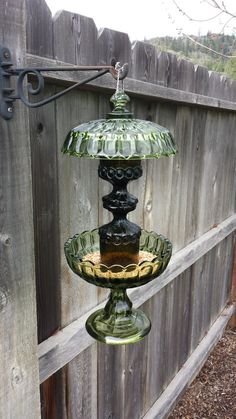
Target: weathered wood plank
[(77, 203), (19, 391), (44, 179), (163, 68), (159, 178), (113, 44), (181, 308), (78, 206), (232, 90), (199, 281), (135, 378), (173, 71), (209, 190), (181, 171), (164, 405), (75, 38), (216, 172), (111, 373), (227, 164), (46, 229), (136, 356), (201, 80), (215, 87), (81, 382), (157, 309), (144, 62), (196, 146), (221, 276), (233, 286), (185, 75), (226, 83), (39, 29), (45, 203), (135, 87), (73, 339)]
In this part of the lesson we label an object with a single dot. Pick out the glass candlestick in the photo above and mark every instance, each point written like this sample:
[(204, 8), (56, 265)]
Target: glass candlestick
[(119, 240)]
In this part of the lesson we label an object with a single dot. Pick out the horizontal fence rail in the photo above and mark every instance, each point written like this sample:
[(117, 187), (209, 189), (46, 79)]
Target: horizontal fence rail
[(166, 402), (61, 348), (133, 87)]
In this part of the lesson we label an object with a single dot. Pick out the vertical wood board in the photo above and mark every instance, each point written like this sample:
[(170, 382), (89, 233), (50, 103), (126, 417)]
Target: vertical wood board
[(19, 391)]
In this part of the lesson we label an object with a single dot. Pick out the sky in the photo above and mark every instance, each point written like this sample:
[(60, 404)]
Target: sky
[(149, 18)]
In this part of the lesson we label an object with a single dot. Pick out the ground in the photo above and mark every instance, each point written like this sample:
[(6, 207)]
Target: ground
[(213, 393)]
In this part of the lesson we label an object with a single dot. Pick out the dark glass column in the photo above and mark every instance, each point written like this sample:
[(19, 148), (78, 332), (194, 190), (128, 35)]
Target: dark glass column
[(119, 240)]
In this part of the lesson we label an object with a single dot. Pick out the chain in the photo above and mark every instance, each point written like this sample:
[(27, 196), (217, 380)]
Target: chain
[(119, 70)]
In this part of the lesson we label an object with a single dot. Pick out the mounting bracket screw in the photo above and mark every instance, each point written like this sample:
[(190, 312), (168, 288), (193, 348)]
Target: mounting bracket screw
[(6, 54)]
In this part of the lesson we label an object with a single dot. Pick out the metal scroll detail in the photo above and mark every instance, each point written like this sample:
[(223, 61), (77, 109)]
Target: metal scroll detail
[(32, 91), (40, 86), (8, 95)]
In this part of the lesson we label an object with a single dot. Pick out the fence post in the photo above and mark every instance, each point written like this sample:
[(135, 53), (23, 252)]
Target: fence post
[(232, 322), (19, 391)]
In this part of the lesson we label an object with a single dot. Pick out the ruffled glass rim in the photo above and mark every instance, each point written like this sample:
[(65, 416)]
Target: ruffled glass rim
[(119, 139), (77, 247)]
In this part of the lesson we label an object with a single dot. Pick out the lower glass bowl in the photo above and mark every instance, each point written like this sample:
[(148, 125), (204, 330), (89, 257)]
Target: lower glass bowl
[(83, 254)]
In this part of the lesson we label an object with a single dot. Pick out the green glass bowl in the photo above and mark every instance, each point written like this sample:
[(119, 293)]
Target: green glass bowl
[(120, 136), (119, 139), (117, 276)]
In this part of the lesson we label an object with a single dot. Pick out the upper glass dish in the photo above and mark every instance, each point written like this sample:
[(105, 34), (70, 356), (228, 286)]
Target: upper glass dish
[(119, 136)]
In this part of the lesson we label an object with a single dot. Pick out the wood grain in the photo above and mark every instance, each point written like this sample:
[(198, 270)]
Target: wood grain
[(19, 390), (113, 45), (78, 208), (45, 203), (39, 28), (134, 87), (189, 198), (162, 408), (73, 339)]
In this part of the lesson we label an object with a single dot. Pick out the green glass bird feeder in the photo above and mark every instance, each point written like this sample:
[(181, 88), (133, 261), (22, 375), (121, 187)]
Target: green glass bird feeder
[(119, 255)]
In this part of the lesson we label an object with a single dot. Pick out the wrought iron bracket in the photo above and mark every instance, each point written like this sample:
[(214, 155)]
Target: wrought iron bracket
[(8, 94)]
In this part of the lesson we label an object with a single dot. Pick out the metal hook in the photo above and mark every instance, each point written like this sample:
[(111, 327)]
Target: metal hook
[(123, 72)]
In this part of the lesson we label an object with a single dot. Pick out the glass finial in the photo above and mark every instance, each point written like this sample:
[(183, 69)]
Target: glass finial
[(119, 101)]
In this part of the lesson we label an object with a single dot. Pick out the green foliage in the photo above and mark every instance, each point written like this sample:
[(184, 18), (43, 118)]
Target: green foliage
[(185, 48), (230, 67)]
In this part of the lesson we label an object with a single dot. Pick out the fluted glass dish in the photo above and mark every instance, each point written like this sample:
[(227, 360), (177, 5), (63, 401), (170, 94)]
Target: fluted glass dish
[(80, 249), (118, 323), (120, 136), (119, 139)]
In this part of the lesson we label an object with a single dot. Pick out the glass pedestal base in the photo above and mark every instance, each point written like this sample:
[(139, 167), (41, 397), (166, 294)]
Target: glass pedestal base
[(118, 323)]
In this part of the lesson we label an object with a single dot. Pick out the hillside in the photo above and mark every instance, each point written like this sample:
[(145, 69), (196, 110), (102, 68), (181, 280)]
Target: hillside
[(185, 48)]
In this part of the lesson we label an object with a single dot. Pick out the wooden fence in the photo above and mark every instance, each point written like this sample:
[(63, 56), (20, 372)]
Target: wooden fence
[(46, 197)]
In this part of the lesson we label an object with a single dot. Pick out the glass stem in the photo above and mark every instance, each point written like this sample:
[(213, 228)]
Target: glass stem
[(118, 303)]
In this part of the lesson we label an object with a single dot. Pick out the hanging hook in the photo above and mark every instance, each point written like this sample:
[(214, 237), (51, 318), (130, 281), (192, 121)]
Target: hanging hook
[(123, 71)]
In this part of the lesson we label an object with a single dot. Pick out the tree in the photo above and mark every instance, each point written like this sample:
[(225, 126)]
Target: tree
[(230, 67), (228, 16)]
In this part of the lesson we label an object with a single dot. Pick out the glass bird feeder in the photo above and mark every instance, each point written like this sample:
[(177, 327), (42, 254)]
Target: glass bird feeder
[(119, 255)]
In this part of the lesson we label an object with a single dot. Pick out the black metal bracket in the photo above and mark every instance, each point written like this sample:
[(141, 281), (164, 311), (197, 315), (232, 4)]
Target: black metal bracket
[(8, 94)]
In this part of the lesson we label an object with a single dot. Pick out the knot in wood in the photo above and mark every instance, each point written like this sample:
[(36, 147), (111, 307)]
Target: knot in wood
[(3, 299), (149, 206), (16, 376)]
